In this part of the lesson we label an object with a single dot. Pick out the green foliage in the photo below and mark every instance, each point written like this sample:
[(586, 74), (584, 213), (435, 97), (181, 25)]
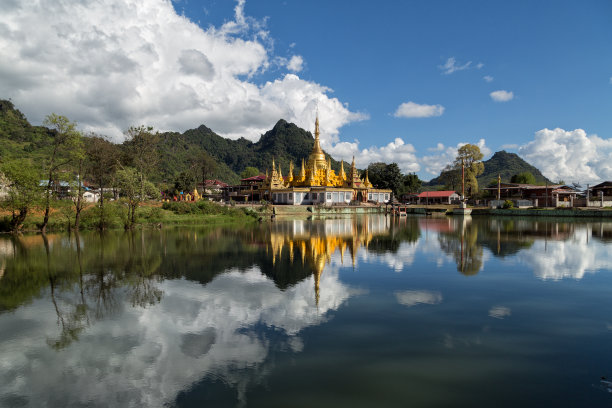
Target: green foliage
[(206, 208), (249, 172), (523, 178), (508, 204), (383, 175), (24, 192), (412, 183), (184, 182)]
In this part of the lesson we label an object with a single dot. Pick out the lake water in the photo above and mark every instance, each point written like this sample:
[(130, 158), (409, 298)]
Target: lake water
[(361, 312)]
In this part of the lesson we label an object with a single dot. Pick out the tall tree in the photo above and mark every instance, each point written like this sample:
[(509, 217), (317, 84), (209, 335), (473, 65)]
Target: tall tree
[(102, 162), (412, 183), (23, 182), (383, 175), (134, 190), (469, 155), (66, 141), (143, 155)]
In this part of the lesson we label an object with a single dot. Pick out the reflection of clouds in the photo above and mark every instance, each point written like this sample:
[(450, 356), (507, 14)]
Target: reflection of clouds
[(147, 356), (416, 297), (500, 312), (555, 260)]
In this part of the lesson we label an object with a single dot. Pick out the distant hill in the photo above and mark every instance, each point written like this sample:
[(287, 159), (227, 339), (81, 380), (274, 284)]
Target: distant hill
[(179, 152), (504, 164)]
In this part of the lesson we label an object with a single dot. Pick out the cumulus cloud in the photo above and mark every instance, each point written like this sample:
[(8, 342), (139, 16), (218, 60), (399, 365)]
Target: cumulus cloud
[(502, 96), (500, 312), (296, 63), (451, 66), (111, 64), (416, 297), (434, 163), (397, 151), (570, 155), (569, 259), (415, 110), (148, 356), (510, 146), (488, 78)]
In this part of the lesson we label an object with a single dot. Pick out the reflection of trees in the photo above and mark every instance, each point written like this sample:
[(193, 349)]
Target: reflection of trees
[(401, 229), (462, 245)]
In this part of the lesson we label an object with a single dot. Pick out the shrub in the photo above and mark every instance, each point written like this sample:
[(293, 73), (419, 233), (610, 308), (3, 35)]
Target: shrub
[(508, 204)]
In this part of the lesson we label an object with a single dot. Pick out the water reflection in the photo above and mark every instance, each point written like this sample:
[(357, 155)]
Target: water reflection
[(150, 314)]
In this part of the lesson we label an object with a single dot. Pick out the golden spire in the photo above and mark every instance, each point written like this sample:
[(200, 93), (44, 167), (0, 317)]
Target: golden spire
[(366, 182), (290, 176), (302, 171), (342, 173), (280, 174), (317, 154)]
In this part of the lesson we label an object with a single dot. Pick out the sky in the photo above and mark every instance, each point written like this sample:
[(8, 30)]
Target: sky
[(393, 81)]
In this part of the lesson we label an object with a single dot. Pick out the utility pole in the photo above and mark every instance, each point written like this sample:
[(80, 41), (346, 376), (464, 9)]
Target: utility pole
[(462, 180)]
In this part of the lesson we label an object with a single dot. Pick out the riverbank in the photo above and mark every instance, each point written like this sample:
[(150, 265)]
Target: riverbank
[(520, 212), (150, 214)]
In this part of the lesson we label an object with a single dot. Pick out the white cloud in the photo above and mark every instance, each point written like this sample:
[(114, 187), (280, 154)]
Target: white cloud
[(435, 163), (502, 96), (416, 297), (610, 80), (296, 63), (154, 353), (479, 65), (110, 64), (451, 66), (488, 78), (510, 146), (415, 110), (396, 151), (500, 312), (572, 156)]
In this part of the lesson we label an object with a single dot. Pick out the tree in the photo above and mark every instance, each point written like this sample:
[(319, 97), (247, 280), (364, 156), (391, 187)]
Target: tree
[(143, 154), (23, 182), (451, 177), (249, 172), (102, 162), (66, 141), (134, 190), (383, 175), (412, 183), (203, 165), (469, 155), (185, 182), (523, 178)]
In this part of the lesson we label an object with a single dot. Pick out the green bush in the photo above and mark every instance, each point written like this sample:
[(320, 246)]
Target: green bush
[(508, 204)]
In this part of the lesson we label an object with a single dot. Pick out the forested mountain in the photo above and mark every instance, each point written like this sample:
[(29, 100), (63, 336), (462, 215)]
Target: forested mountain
[(504, 164), (200, 151)]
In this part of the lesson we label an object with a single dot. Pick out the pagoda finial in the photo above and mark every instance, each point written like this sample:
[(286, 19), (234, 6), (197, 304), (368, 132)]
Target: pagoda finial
[(317, 125)]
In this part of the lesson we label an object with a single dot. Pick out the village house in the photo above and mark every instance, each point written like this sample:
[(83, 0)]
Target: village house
[(438, 197), (530, 195)]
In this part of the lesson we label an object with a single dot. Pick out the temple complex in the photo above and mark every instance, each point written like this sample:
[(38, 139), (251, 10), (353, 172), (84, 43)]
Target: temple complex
[(316, 183)]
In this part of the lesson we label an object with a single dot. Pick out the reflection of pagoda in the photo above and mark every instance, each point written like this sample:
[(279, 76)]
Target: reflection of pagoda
[(317, 242)]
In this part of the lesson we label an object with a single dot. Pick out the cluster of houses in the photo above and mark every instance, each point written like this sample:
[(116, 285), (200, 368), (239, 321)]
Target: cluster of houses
[(525, 195)]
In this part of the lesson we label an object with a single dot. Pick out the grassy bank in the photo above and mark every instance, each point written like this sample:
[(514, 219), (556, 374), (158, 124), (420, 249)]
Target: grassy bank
[(156, 214)]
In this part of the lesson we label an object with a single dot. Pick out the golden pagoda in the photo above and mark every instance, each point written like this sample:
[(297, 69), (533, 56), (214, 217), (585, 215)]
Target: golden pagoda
[(318, 183)]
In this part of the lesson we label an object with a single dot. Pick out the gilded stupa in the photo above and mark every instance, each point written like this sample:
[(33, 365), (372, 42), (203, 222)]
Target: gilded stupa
[(316, 182)]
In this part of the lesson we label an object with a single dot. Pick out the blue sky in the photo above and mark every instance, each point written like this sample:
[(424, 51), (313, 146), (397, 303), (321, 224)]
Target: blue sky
[(247, 64)]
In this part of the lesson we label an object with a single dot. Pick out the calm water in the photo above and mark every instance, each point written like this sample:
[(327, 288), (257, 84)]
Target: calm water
[(336, 313)]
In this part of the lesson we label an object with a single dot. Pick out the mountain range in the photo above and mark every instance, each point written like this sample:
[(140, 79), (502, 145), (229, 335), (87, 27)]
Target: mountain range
[(284, 143)]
